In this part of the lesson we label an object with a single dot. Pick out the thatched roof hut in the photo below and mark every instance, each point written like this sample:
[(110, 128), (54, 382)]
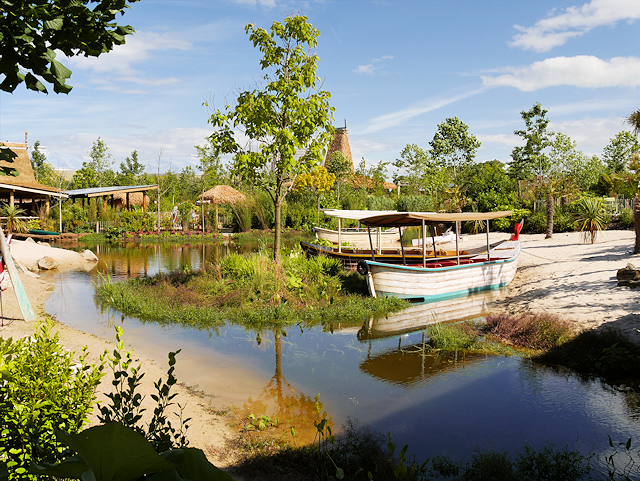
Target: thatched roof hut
[(223, 194), (135, 198), (340, 143)]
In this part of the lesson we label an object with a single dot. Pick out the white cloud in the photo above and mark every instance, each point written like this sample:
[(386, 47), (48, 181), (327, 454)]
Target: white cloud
[(499, 139), (591, 134), (585, 71), (255, 3), (573, 22), (374, 66), (393, 119), (138, 49)]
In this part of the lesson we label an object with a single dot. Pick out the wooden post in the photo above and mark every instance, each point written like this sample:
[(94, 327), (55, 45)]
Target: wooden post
[(21, 295)]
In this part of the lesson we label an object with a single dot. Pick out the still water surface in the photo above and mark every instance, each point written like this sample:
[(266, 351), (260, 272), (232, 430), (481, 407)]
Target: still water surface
[(449, 405)]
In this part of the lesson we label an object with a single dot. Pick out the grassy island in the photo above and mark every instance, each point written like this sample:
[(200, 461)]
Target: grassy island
[(251, 290)]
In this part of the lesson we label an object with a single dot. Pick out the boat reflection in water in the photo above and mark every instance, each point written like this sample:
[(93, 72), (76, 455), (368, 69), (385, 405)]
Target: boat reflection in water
[(418, 317), (410, 365)]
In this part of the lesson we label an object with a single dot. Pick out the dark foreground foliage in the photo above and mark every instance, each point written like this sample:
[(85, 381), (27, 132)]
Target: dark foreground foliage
[(606, 353), (359, 454)]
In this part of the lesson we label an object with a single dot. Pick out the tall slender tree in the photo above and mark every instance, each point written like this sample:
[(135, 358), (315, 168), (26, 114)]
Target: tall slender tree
[(288, 121)]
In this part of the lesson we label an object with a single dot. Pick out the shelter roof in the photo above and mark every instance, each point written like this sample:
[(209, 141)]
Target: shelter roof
[(100, 191), (416, 218), (223, 194), (16, 172), (356, 214)]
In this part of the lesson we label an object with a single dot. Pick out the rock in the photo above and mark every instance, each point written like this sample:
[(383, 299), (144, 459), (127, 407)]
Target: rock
[(629, 276), (89, 256), (30, 239), (46, 244), (47, 263)]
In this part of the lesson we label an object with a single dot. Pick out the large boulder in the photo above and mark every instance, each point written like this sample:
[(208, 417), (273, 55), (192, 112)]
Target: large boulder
[(89, 256)]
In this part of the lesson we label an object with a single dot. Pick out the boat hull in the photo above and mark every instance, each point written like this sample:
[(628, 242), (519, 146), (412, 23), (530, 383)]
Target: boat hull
[(431, 284)]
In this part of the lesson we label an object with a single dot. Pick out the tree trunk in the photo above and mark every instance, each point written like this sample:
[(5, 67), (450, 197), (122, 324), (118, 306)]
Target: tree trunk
[(550, 210), (277, 228), (636, 222)]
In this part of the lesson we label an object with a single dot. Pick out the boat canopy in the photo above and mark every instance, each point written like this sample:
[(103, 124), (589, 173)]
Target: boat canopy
[(417, 218), (356, 214)]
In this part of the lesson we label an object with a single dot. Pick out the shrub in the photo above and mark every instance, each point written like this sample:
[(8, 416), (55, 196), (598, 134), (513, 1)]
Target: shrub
[(530, 331), (591, 217), (626, 218), (43, 390), (136, 221), (380, 202), (415, 203)]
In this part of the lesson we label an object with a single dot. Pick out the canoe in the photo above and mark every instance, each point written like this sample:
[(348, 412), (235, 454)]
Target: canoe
[(43, 232), (440, 279)]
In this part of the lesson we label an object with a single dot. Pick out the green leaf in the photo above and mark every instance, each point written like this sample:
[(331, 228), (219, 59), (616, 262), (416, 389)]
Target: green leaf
[(72, 467), (115, 452), (194, 465), (55, 24)]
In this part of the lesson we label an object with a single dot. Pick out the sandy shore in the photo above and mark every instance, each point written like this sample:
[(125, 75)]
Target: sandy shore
[(207, 431), (563, 275)]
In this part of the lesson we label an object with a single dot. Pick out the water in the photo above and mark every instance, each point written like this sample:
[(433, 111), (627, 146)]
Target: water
[(449, 405)]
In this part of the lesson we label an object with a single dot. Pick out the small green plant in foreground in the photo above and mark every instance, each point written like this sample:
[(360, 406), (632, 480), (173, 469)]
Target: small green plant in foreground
[(43, 388)]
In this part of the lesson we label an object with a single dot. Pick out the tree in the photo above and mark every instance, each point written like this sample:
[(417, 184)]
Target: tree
[(453, 147), (633, 119), (32, 30), (619, 150), (42, 170), (130, 170), (288, 121), (565, 160), (96, 172), (531, 159), (319, 181), (338, 165)]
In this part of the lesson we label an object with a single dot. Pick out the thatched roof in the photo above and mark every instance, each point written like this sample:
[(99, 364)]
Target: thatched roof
[(14, 159), (340, 143), (135, 198), (223, 194)]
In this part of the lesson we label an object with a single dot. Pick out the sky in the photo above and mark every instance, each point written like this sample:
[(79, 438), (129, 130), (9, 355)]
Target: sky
[(395, 70)]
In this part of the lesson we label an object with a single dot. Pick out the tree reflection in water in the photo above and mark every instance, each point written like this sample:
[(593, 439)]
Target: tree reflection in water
[(279, 400)]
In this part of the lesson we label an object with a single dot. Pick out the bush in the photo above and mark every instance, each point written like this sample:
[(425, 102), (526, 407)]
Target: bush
[(43, 390), (136, 221), (626, 218), (380, 202), (74, 216), (415, 203)]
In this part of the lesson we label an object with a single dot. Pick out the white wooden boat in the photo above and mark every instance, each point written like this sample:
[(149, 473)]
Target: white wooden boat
[(440, 279), (356, 237)]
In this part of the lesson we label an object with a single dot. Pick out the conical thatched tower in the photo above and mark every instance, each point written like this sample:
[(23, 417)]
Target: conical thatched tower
[(340, 143)]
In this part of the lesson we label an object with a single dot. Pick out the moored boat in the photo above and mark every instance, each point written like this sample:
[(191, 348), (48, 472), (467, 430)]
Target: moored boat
[(436, 279)]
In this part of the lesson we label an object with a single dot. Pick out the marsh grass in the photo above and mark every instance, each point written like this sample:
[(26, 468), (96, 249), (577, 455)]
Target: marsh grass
[(537, 332), (250, 290)]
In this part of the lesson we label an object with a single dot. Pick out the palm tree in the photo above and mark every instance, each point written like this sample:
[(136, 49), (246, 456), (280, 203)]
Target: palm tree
[(12, 215), (591, 218), (634, 121)]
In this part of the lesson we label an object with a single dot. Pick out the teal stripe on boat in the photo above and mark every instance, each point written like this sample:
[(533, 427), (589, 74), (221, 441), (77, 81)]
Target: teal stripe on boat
[(430, 269), (443, 297)]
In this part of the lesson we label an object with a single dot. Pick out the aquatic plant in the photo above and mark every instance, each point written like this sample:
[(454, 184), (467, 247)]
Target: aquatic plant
[(540, 332), (250, 290)]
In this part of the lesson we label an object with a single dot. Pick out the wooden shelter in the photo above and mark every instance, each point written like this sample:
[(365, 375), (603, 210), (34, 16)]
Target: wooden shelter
[(222, 194), (18, 184), (120, 196)]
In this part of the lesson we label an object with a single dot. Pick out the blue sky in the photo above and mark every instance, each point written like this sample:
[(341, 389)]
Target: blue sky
[(395, 69)]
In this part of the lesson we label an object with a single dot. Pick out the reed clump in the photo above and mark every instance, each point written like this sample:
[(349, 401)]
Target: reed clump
[(538, 332), (250, 290)]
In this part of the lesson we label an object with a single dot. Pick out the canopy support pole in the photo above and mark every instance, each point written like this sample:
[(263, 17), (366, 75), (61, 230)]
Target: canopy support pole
[(424, 245), (404, 260), (373, 256), (433, 242), (339, 235), (488, 246), (457, 245)]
